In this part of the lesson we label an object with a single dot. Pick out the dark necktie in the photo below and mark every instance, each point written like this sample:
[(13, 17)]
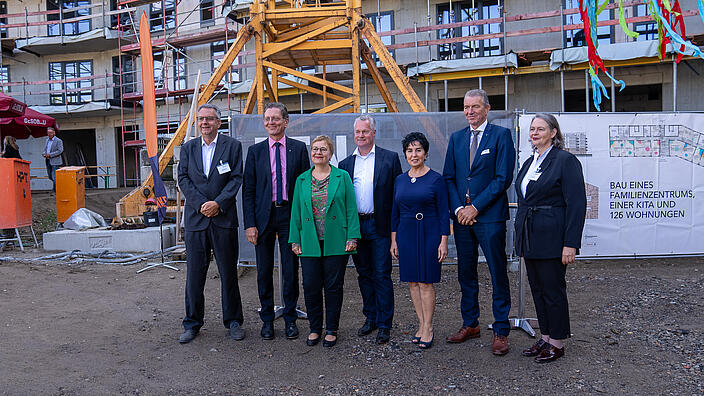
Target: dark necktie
[(473, 147), (279, 175)]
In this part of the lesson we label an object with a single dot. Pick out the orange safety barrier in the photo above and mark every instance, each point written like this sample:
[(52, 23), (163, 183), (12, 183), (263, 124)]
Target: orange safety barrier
[(16, 202), (70, 191)]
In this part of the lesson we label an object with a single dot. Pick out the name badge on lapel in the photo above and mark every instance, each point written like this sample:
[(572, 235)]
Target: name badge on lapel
[(223, 168)]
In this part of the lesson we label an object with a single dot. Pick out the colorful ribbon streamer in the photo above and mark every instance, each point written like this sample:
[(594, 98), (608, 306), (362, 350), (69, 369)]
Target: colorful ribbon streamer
[(669, 19), (667, 14), (589, 10)]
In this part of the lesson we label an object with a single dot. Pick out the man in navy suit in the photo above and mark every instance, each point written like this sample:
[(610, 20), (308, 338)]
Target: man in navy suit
[(478, 169), (270, 173), (373, 171), (210, 174)]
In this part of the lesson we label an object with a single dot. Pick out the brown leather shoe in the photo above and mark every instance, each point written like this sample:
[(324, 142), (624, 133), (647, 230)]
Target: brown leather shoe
[(464, 334), (549, 354), (500, 345), (535, 349)]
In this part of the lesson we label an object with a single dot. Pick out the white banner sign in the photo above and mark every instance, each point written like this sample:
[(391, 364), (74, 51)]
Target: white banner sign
[(644, 176)]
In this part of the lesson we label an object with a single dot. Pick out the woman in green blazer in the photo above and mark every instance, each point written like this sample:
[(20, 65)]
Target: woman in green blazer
[(324, 231)]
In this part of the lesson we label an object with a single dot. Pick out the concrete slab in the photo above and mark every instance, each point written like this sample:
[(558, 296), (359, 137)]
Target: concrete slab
[(144, 240)]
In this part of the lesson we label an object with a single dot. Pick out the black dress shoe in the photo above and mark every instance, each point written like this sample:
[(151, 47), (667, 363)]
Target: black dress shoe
[(314, 341), (187, 336), (367, 328), (329, 344), (236, 331), (267, 332), (549, 354), (291, 330), (383, 336)]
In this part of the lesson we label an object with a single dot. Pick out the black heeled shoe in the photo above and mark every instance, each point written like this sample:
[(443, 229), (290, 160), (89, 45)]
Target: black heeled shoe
[(415, 340), (329, 344), (426, 345), (314, 341)]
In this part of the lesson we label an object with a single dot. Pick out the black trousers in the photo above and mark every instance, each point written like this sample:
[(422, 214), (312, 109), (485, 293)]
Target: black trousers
[(326, 273), (279, 220), (223, 242), (549, 289)]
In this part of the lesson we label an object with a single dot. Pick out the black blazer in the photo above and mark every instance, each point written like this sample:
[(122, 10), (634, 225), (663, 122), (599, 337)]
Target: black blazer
[(386, 167), (256, 190), (221, 188), (552, 213)]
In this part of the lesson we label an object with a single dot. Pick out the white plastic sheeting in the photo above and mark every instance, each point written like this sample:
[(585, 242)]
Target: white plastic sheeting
[(612, 52), (106, 33), (453, 65)]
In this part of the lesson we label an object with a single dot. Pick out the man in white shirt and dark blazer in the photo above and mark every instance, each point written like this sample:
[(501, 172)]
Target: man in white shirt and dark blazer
[(373, 171)]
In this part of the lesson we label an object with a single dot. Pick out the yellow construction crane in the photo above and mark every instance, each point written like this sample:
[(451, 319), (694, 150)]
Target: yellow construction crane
[(288, 35)]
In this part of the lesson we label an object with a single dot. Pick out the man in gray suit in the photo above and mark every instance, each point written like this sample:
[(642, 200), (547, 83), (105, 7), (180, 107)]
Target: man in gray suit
[(52, 153), (210, 175)]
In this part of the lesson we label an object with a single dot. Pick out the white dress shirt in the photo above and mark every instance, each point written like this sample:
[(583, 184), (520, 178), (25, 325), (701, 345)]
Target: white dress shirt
[(481, 129), (364, 180), (47, 149), (208, 150), (534, 171)]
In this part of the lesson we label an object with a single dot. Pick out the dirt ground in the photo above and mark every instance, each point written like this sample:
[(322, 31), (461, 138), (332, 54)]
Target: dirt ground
[(638, 328), (99, 329)]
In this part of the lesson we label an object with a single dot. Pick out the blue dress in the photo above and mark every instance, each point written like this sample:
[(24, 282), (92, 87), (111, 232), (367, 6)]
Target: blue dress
[(420, 216)]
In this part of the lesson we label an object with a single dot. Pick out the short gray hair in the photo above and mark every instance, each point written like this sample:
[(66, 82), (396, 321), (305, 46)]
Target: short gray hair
[(276, 105), (478, 93), (557, 141), (210, 106), (366, 117)]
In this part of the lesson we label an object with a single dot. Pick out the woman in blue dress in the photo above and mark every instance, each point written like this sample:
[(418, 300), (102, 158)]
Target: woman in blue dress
[(420, 225)]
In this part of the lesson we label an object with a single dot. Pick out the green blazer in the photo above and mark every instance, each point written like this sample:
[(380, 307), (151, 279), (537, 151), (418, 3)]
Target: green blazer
[(341, 218)]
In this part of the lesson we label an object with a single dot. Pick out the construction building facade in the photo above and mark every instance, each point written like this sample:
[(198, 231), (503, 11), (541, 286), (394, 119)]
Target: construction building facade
[(77, 60)]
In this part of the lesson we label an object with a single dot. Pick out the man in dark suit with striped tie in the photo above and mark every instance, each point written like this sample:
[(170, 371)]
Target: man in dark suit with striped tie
[(478, 169), (270, 173)]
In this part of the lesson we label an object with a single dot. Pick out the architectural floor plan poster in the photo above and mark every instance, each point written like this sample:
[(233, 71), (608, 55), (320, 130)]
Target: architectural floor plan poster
[(644, 176)]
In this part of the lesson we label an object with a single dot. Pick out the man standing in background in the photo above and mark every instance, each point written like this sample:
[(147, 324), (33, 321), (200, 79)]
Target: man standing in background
[(52, 154)]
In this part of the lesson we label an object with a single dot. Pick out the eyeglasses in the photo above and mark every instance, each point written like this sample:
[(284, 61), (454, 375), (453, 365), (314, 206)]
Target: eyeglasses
[(322, 150), (272, 119), (209, 119)]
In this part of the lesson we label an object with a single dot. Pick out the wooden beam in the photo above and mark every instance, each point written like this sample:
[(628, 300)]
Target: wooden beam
[(249, 104), (304, 76), (269, 88), (335, 106), (378, 78), (295, 31), (310, 89), (304, 13), (356, 69), (274, 48), (260, 71), (391, 67), (275, 84)]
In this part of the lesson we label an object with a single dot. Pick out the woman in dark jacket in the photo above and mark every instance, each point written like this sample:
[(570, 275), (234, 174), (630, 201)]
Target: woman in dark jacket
[(11, 148), (552, 207)]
